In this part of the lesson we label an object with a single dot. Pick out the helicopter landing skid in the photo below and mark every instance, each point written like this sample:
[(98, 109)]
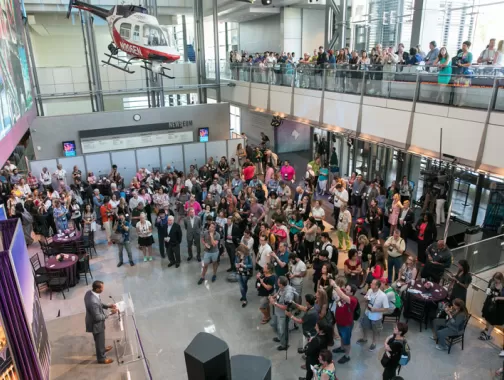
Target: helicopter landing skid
[(117, 66), (160, 73)]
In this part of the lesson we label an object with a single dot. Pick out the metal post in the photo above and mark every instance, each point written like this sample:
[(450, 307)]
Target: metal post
[(97, 74), (38, 99), (87, 55), (477, 198), (216, 49), (184, 38), (199, 41), (491, 105)]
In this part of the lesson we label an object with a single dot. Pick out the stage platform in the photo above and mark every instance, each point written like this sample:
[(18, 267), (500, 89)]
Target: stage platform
[(73, 352)]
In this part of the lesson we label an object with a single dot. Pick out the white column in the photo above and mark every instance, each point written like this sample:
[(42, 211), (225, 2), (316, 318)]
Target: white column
[(291, 20), (425, 20)]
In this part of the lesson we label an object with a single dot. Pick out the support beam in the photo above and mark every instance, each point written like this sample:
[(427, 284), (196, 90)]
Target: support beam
[(199, 47), (33, 67), (216, 49)]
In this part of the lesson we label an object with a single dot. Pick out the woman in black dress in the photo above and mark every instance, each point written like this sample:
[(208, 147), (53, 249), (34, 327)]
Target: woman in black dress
[(461, 281), (315, 344), (493, 308)]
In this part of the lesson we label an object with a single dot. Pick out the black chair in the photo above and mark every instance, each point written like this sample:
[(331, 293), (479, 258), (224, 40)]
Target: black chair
[(454, 339), (41, 279), (417, 311), (395, 316), (37, 268), (83, 267), (57, 282), (89, 243)]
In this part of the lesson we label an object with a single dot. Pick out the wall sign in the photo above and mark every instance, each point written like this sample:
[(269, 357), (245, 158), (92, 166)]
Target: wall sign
[(179, 124)]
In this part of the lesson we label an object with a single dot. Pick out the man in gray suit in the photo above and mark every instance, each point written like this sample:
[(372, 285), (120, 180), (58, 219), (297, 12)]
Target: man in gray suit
[(192, 224), (95, 320)]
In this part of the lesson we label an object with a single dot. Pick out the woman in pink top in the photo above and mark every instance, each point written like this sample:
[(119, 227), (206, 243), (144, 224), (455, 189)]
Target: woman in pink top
[(288, 173), (194, 204), (270, 173)]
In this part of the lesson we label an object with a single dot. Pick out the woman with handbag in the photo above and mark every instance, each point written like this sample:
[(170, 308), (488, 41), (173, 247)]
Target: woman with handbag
[(315, 344), (394, 345), (493, 308), (244, 267)]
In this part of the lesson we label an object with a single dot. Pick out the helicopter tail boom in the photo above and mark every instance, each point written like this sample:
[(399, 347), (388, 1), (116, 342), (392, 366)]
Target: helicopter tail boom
[(97, 11)]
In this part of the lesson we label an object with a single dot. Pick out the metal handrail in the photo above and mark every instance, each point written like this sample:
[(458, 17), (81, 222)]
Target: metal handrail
[(478, 242)]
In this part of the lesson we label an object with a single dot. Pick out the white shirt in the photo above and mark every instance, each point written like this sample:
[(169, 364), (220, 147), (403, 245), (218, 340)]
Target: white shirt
[(215, 189), (328, 247), (318, 213), (264, 255), (188, 184), (192, 221), (345, 218), (45, 178), (96, 295), (296, 269), (340, 197), (60, 174), (249, 243), (378, 300)]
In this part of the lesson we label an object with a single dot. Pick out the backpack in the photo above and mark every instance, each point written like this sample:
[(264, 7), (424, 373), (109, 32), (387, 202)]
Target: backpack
[(405, 355), (357, 312), (398, 301)]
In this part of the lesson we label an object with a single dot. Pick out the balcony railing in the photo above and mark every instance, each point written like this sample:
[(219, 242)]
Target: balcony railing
[(401, 82)]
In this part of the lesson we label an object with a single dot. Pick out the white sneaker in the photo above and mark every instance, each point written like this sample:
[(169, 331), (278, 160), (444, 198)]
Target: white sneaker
[(501, 354)]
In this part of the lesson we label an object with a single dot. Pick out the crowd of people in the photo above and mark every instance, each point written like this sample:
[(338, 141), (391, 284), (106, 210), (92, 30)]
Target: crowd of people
[(272, 224), (382, 63)]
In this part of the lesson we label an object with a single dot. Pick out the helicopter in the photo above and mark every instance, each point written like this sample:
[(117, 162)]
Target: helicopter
[(136, 33)]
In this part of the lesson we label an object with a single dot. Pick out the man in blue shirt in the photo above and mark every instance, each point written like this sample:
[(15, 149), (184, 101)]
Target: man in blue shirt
[(161, 223), (281, 260), (122, 227)]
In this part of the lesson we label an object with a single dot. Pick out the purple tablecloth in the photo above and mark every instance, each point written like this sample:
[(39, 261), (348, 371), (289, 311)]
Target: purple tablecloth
[(437, 292), (67, 266), (66, 239)]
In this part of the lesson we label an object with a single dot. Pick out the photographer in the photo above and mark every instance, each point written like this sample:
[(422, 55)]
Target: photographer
[(309, 319), (122, 227), (396, 247), (281, 302), (265, 286)]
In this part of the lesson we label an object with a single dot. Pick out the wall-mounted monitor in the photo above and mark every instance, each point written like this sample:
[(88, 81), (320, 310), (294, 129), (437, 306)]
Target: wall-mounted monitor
[(69, 148), (203, 134)]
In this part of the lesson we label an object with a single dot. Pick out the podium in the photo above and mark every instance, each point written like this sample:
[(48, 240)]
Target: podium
[(123, 325)]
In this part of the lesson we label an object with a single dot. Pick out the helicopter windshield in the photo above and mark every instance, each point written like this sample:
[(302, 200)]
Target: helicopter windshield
[(154, 36)]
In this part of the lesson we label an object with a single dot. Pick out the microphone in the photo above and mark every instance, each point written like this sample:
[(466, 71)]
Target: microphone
[(118, 311)]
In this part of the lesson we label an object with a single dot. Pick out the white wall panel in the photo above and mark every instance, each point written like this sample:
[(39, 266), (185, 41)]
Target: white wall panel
[(399, 104), (237, 94), (385, 123), (460, 137), (194, 155), (98, 163), (307, 107), (374, 101), (467, 114), (148, 158), (313, 30), (172, 155), (216, 149), (431, 109), (126, 164), (280, 102), (493, 154), (341, 114), (497, 118), (259, 98)]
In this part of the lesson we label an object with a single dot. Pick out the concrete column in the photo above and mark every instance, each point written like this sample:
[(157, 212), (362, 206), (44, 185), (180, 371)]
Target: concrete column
[(199, 41), (291, 28), (424, 27)]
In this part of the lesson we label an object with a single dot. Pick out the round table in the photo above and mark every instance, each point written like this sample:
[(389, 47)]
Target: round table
[(435, 294), (68, 266), (67, 239)]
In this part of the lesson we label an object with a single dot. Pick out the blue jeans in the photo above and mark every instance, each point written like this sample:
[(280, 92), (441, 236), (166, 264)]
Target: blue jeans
[(243, 280), (279, 324), (393, 262)]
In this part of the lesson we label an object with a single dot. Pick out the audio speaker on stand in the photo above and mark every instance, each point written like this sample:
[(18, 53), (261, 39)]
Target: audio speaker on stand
[(207, 358)]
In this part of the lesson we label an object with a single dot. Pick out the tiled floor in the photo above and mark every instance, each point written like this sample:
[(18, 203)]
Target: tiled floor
[(171, 309)]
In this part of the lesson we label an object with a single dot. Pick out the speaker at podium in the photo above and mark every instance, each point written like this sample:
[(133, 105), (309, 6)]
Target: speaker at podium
[(207, 358), (250, 367)]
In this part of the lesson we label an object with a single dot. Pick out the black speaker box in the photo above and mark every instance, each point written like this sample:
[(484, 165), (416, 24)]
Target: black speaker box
[(207, 358), (249, 367)]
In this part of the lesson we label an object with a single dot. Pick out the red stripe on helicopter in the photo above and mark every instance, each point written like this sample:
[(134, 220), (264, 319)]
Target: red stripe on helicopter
[(141, 51)]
